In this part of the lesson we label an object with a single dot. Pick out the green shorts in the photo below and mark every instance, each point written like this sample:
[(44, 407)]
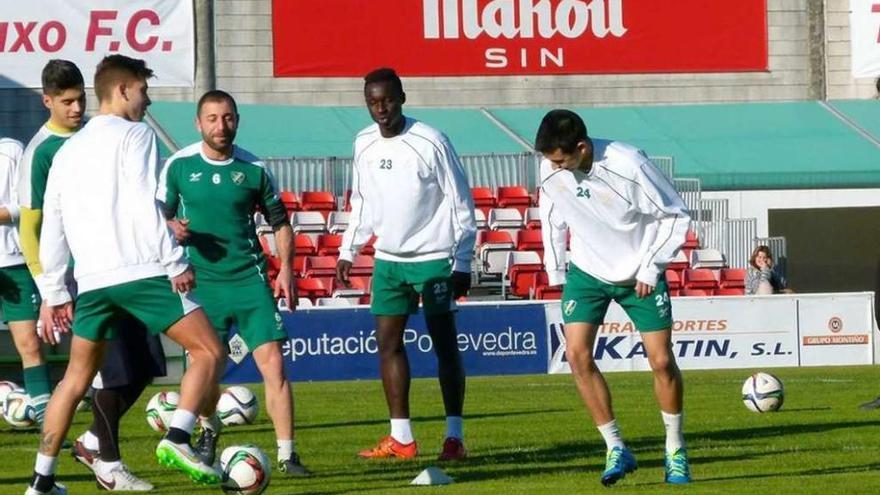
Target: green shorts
[(149, 300), (19, 297), (397, 287), (250, 307), (585, 299)]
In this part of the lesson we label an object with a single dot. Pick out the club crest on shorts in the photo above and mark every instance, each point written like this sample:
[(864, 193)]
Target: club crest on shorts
[(568, 307), (237, 177)]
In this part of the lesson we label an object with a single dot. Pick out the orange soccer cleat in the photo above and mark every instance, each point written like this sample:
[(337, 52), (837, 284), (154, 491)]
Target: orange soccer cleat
[(389, 447), (453, 450)]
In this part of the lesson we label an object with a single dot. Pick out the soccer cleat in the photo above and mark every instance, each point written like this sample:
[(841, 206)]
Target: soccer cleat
[(389, 447), (453, 450), (677, 470), (618, 463), (55, 490), (293, 467), (206, 446), (120, 479), (182, 458), (874, 404), (85, 456)]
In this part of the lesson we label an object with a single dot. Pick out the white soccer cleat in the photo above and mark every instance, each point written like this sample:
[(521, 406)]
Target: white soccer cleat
[(121, 479), (55, 490)]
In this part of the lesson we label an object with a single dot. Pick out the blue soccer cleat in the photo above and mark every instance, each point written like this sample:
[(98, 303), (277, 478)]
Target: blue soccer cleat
[(677, 470), (618, 462)]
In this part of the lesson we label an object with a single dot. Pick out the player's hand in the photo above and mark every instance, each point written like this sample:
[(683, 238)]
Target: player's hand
[(461, 284), (54, 322), (285, 287), (343, 272), (184, 282), (643, 289), (180, 228)]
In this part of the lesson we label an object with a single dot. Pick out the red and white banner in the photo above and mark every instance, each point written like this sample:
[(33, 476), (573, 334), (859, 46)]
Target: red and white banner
[(865, 37), (836, 329), (33, 32), (512, 37)]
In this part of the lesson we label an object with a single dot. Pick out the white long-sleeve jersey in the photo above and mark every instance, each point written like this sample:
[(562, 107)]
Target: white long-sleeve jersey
[(10, 157), (412, 193), (100, 206), (626, 219)]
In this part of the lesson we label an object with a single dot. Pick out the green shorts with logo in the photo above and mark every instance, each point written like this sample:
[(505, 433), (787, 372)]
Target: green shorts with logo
[(149, 300), (19, 297), (397, 287), (585, 299), (251, 307)]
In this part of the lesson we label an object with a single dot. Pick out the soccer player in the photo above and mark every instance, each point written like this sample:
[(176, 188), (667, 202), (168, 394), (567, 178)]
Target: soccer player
[(19, 297), (210, 191), (134, 356), (410, 190), (105, 216), (626, 222)]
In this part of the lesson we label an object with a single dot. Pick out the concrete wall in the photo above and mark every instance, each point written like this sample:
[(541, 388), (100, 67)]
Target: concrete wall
[(809, 59)]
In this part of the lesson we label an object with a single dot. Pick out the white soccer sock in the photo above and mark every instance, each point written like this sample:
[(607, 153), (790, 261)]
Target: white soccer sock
[(45, 465), (285, 449), (611, 433), (674, 436), (103, 468), (183, 420), (90, 441), (401, 430), (454, 427)]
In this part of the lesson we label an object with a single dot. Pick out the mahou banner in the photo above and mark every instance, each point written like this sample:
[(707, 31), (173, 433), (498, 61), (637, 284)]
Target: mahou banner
[(32, 32), (515, 37)]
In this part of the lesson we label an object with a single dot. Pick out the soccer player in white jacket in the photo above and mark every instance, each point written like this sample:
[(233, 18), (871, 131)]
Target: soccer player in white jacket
[(410, 190), (106, 217), (626, 222)]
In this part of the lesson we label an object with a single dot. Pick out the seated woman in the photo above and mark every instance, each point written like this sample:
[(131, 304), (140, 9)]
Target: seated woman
[(761, 277)]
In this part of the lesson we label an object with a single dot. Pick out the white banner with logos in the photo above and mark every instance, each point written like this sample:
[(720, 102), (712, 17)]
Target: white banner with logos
[(736, 332), (836, 329), (84, 31), (864, 21)]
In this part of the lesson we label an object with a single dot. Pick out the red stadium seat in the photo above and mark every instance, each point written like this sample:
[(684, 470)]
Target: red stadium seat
[(696, 292), (514, 197), (346, 200), (529, 240), (495, 237), (362, 266), (319, 266), (289, 200), (542, 288), (680, 262), (303, 245), (322, 201), (733, 278), (673, 280), (328, 244), (312, 288), (522, 267), (368, 249), (532, 218), (731, 291), (700, 278), (691, 241), (483, 198)]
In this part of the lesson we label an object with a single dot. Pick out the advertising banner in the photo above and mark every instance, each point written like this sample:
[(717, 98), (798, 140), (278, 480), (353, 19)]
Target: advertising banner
[(84, 31), (864, 19), (340, 344), (517, 37), (708, 333), (836, 329)]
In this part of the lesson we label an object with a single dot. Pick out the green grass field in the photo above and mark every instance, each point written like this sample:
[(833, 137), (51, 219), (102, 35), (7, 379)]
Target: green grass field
[(530, 434)]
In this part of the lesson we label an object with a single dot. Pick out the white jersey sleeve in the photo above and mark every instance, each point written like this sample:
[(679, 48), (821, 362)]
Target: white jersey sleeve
[(359, 228), (54, 250), (658, 198), (11, 152), (553, 236), (454, 184)]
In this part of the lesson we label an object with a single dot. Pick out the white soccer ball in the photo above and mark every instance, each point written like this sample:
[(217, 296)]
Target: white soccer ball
[(160, 409), (18, 410), (237, 406), (763, 392), (246, 470), (5, 388)]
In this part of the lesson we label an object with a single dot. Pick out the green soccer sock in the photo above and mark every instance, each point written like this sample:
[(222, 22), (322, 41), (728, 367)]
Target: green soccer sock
[(39, 388)]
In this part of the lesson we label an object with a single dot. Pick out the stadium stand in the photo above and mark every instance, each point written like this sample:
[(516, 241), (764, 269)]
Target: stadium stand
[(308, 221)]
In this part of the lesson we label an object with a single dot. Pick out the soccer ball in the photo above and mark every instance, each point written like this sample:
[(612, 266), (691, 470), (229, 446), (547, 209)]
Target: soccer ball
[(245, 469), (763, 392), (160, 409), (5, 388), (18, 410), (237, 406)]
